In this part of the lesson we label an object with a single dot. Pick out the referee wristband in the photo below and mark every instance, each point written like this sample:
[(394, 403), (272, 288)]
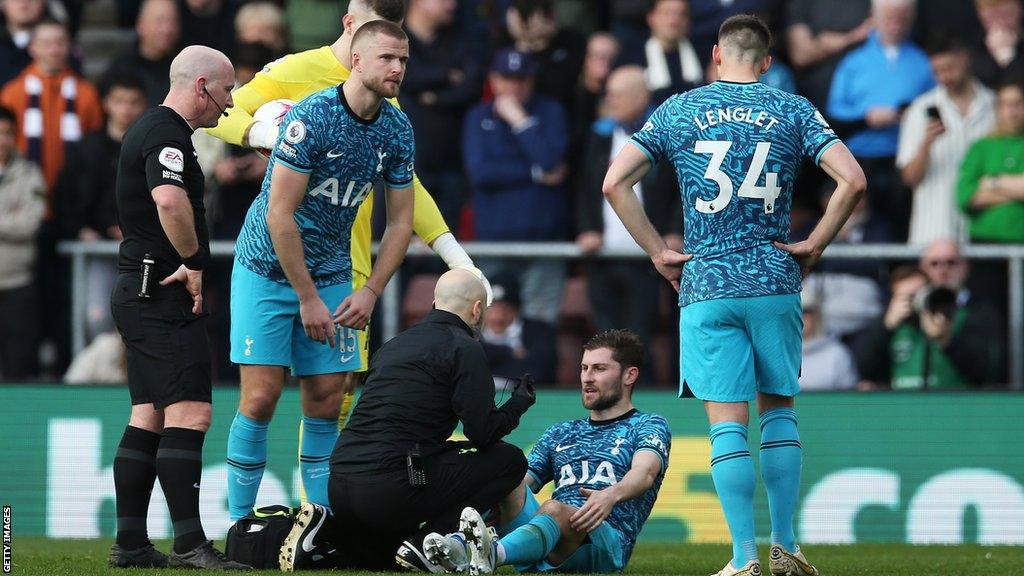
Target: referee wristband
[(197, 261)]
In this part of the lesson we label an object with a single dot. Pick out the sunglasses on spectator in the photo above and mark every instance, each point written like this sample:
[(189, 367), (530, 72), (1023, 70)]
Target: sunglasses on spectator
[(949, 263)]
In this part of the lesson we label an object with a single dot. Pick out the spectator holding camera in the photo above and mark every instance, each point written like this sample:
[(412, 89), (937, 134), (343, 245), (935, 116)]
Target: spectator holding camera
[(444, 78), (931, 336), (557, 52)]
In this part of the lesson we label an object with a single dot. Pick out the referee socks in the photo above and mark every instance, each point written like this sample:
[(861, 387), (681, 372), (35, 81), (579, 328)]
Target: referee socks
[(732, 470), (134, 475), (247, 459), (315, 446), (781, 464), (179, 465)]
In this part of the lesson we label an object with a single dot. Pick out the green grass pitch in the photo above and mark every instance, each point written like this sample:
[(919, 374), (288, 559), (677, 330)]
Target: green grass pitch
[(39, 556)]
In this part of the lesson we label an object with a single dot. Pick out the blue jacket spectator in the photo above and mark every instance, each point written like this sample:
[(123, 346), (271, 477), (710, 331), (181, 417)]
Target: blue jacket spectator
[(871, 87), (514, 152), (517, 168)]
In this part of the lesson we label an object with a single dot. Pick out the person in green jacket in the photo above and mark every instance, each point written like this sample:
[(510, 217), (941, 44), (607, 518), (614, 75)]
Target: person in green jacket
[(990, 189)]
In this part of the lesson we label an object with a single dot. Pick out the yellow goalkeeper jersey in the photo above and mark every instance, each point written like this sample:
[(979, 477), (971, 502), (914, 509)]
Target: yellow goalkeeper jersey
[(294, 77)]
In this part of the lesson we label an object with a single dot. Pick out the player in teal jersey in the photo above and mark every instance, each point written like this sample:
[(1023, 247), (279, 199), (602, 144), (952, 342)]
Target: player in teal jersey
[(607, 471), (737, 146), (292, 304)]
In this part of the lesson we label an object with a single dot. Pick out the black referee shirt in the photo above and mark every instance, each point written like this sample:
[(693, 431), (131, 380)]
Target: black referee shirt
[(156, 150), (420, 385)]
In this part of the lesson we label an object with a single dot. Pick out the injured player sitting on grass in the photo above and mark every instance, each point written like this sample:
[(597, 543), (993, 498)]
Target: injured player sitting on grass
[(607, 468)]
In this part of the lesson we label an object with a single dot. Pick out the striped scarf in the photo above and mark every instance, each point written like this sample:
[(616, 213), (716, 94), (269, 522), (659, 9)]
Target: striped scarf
[(70, 126)]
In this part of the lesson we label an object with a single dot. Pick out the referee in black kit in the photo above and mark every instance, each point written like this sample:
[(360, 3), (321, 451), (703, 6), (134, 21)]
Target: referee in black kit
[(157, 304), (394, 476)]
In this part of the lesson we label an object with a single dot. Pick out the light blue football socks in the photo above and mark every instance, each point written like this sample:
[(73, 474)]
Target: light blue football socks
[(781, 463), (247, 459), (316, 445), (732, 470), (531, 542)]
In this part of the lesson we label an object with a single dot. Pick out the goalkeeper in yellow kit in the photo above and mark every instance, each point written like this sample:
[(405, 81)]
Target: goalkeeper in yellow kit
[(294, 77)]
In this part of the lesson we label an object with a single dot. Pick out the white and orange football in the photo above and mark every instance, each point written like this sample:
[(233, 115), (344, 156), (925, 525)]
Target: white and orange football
[(272, 112)]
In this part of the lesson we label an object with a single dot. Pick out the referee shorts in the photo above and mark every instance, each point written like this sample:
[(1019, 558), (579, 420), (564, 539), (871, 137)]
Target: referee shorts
[(166, 346)]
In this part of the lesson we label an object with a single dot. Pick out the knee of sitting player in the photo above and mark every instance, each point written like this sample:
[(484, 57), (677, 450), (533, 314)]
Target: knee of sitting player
[(560, 512)]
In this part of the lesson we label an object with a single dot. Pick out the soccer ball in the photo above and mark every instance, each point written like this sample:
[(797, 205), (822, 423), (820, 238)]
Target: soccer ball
[(273, 113)]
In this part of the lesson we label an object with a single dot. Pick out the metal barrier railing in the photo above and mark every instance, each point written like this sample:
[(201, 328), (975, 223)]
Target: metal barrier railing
[(81, 252)]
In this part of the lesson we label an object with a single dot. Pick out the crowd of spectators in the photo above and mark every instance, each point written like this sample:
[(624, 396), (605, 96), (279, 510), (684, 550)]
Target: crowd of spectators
[(518, 107)]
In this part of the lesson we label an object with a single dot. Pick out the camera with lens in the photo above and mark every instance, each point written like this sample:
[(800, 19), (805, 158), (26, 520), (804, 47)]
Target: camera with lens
[(936, 300)]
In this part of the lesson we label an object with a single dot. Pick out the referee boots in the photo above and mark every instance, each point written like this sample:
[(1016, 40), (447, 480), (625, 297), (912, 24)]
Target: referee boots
[(145, 557)]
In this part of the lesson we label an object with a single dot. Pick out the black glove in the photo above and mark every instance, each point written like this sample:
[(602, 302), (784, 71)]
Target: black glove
[(523, 395)]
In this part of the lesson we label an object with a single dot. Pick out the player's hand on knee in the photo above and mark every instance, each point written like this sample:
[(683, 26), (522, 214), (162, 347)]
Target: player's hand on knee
[(669, 264), (316, 321), (599, 505), (354, 311)]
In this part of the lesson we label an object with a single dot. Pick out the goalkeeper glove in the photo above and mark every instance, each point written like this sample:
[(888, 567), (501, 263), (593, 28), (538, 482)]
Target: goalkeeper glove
[(448, 248), (483, 280), (262, 135)]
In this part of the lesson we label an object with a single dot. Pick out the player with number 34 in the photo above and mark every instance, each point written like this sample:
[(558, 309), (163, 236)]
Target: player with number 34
[(737, 146)]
